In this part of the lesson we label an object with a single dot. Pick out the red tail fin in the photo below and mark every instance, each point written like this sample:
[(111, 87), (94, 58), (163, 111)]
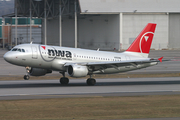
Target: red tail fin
[(143, 42)]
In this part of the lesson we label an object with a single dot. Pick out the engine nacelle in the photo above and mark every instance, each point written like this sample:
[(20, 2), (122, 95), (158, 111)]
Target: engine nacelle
[(77, 71), (38, 71)]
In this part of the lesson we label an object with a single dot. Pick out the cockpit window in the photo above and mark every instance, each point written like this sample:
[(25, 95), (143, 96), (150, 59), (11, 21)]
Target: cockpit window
[(15, 49), (23, 50), (19, 50)]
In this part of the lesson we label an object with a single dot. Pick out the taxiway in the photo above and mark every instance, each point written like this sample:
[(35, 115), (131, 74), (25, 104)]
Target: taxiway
[(38, 89)]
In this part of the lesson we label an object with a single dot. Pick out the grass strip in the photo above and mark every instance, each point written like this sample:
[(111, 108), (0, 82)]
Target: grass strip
[(91, 108)]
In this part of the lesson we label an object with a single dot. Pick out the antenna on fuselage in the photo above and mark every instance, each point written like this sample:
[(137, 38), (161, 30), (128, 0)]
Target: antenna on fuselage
[(31, 42), (98, 49)]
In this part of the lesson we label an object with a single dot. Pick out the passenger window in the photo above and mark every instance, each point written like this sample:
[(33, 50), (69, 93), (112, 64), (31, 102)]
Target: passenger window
[(23, 50)]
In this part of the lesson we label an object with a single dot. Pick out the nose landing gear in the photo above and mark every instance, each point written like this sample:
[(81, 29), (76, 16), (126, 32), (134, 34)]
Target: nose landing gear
[(26, 77)]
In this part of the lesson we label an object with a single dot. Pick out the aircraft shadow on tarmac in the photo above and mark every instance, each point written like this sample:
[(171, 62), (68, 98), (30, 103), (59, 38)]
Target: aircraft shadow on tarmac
[(39, 85)]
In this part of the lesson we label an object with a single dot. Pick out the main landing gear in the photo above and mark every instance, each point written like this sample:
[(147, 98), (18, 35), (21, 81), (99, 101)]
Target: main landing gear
[(91, 81), (64, 80)]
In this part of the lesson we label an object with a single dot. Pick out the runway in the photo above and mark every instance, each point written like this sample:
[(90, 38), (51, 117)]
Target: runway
[(38, 89)]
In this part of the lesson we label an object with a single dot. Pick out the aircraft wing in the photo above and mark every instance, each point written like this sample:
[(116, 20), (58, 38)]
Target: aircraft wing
[(114, 64)]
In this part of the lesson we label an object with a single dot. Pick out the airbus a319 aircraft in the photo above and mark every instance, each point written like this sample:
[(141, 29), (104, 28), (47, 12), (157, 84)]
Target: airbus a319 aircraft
[(42, 59)]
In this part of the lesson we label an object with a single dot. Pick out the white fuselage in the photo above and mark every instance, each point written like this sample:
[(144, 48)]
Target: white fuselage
[(55, 58)]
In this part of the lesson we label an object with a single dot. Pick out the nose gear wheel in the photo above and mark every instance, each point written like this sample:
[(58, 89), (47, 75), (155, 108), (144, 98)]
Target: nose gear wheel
[(26, 77)]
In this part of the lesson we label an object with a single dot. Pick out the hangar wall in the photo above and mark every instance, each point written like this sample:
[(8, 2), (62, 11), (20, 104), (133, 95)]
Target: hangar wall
[(97, 31), (174, 31), (98, 22), (133, 24), (23, 34), (53, 32), (102, 31), (116, 6)]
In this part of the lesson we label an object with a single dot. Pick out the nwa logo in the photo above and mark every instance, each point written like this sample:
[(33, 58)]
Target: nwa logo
[(59, 53), (50, 53), (145, 42)]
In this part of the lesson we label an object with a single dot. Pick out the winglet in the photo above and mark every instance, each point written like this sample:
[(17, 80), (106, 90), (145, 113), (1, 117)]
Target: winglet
[(160, 59)]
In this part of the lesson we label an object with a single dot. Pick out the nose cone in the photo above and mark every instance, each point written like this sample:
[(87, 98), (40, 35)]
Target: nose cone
[(8, 57)]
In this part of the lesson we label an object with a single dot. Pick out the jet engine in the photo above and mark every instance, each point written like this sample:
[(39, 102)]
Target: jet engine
[(38, 71), (77, 71)]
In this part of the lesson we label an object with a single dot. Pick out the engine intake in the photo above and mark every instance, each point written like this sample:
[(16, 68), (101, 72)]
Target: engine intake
[(77, 71), (38, 71)]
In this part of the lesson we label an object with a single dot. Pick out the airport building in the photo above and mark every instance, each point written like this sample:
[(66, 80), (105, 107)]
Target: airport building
[(7, 31), (104, 24)]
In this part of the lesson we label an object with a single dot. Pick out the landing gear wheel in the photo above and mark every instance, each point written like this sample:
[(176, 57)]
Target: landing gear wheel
[(64, 80), (26, 77), (91, 81)]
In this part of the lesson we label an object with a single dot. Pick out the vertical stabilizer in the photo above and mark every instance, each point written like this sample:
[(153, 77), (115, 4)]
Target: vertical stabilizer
[(142, 43)]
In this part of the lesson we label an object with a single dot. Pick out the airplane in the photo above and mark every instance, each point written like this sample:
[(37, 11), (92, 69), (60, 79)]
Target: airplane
[(40, 59)]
